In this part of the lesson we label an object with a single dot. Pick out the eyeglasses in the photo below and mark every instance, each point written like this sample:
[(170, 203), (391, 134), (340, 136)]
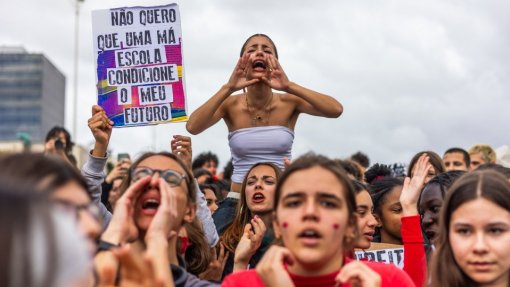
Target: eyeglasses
[(70, 207), (172, 177)]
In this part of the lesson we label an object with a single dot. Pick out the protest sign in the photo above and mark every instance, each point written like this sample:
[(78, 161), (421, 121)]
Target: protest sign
[(381, 252), (140, 79)]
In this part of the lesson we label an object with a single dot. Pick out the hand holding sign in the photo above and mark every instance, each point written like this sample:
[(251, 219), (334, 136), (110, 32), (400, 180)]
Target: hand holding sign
[(101, 127)]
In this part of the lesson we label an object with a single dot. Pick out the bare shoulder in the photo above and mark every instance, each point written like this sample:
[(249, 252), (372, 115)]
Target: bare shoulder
[(286, 97), (288, 101), (233, 102)]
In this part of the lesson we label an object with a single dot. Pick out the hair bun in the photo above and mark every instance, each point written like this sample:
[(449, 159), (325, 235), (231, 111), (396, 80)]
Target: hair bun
[(377, 172)]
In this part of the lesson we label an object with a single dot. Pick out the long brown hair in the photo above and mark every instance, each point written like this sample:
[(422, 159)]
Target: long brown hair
[(198, 254), (234, 232), (486, 184)]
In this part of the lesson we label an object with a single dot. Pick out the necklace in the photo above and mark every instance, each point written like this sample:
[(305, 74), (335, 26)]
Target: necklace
[(257, 118)]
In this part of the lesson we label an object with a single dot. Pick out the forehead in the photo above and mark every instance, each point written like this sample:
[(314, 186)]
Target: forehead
[(259, 40), (312, 181), (71, 192), (477, 155), (161, 162), (262, 170), (453, 156), (209, 192), (363, 198), (479, 212), (431, 191), (393, 195), (210, 163)]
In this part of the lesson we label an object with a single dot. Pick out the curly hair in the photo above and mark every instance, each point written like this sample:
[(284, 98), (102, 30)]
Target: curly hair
[(204, 158)]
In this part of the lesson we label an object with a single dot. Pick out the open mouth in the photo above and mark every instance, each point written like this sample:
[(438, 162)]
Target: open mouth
[(310, 234), (258, 197), (259, 65), (310, 237), (150, 204)]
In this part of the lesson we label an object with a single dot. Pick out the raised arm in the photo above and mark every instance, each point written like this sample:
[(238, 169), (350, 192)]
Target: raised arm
[(314, 103), (209, 113), (93, 169), (213, 110), (101, 128), (181, 146), (309, 102), (415, 261), (413, 186)]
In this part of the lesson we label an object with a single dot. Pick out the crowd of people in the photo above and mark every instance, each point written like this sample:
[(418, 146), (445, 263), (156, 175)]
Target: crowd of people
[(168, 219)]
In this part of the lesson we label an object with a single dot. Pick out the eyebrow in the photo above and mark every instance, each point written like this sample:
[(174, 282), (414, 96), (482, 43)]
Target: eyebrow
[(318, 194), (497, 223), (263, 177), (327, 195), (294, 194), (263, 46)]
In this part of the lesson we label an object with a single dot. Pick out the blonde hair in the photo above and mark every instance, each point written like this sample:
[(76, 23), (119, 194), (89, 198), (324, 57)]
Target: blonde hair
[(486, 151)]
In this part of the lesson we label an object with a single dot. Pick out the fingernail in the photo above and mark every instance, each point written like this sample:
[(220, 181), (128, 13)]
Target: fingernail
[(256, 216)]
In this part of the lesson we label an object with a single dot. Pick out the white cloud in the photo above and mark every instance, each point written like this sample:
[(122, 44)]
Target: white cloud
[(411, 75)]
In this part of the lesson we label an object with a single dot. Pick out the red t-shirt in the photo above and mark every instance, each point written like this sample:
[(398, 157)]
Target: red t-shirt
[(391, 276)]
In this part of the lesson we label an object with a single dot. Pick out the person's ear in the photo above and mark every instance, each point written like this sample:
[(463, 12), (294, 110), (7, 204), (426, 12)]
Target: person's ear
[(190, 213)]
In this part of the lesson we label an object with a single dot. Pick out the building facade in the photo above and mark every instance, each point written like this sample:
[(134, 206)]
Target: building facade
[(32, 95)]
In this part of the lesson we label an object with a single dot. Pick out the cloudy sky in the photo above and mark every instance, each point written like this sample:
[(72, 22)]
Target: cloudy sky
[(412, 75)]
